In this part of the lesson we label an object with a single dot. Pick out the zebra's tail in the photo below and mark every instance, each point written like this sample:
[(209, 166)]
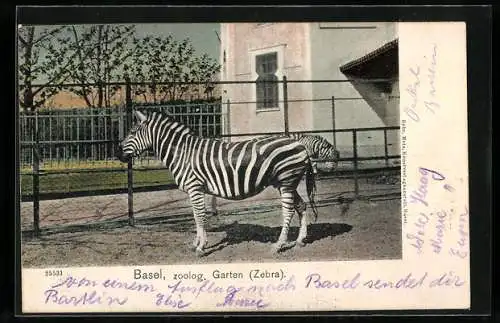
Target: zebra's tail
[(311, 190)]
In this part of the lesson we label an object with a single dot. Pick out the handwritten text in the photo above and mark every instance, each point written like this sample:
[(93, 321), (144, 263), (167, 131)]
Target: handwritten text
[(416, 88), (419, 195)]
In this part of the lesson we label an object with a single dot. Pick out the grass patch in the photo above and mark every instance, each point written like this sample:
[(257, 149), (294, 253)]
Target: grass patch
[(95, 180), (86, 164)]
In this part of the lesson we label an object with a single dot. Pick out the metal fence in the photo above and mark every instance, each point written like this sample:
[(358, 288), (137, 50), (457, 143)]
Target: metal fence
[(78, 136), (74, 139), (73, 134)]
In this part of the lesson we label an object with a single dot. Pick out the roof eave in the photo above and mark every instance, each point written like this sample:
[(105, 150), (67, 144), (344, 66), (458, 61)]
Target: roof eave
[(368, 57)]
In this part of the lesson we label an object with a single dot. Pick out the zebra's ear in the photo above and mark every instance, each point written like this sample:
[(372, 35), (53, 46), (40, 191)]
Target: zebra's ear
[(140, 116)]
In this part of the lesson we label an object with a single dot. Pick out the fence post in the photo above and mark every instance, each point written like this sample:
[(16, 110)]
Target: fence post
[(285, 104), (355, 156), (200, 117), (228, 120), (334, 123), (92, 134), (36, 178), (77, 138), (386, 150), (130, 179)]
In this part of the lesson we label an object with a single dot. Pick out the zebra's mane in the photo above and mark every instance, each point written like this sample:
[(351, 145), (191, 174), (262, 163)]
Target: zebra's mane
[(301, 135), (321, 138), (165, 116)]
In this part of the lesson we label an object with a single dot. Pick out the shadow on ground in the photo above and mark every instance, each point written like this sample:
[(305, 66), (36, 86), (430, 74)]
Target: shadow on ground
[(237, 233)]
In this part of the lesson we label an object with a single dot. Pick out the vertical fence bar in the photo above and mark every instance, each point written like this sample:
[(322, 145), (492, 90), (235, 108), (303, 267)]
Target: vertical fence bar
[(57, 121), (78, 138), (105, 120), (213, 113), (130, 180), (386, 149), (200, 117), (92, 135), (36, 178), (355, 157), (334, 123), (65, 137), (228, 120), (50, 135), (285, 105)]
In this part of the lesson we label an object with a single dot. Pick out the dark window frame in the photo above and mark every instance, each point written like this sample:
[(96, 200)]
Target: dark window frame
[(267, 87)]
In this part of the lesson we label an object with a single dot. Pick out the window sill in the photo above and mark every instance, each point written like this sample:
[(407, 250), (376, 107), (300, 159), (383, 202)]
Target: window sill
[(267, 110)]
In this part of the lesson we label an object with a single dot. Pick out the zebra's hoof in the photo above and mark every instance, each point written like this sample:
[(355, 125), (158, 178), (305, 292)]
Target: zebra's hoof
[(276, 248), (300, 243), (289, 245), (200, 253), (279, 247), (194, 246)]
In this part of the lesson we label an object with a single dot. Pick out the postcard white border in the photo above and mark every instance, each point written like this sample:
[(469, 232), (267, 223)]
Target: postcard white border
[(432, 275)]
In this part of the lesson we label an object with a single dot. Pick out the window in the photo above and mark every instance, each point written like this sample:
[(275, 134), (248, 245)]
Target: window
[(266, 66)]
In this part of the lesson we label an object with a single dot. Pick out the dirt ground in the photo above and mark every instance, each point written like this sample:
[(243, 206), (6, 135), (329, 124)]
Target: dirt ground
[(93, 231)]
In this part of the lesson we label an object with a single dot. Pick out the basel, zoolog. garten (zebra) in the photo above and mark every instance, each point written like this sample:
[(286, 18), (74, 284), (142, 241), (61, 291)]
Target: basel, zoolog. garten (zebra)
[(317, 147), (233, 171)]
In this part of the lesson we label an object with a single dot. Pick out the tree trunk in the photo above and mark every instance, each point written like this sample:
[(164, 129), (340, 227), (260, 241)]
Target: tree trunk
[(80, 57), (28, 90), (100, 93)]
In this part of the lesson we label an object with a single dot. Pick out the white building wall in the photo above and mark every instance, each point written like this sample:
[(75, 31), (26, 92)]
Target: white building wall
[(393, 120), (310, 51), (333, 45), (242, 41)]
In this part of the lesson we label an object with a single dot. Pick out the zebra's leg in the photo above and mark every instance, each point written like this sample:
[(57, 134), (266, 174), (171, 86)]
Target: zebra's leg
[(213, 205), (287, 206), (197, 199), (314, 167), (300, 207)]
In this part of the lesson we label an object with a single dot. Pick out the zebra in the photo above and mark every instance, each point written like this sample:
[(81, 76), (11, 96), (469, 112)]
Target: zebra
[(316, 146), (233, 171)]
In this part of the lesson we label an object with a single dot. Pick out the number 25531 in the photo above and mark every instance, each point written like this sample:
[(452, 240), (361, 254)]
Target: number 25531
[(53, 272)]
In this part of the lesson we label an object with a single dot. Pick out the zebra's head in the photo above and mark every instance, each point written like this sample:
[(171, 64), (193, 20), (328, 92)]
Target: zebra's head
[(328, 151), (137, 140)]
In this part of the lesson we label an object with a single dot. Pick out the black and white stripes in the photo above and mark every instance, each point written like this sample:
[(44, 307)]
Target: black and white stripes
[(232, 171), (318, 148)]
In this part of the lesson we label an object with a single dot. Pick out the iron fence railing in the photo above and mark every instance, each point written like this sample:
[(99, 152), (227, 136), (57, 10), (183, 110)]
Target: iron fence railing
[(79, 136), (82, 135)]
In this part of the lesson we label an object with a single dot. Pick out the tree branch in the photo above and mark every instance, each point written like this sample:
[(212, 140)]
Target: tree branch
[(79, 53), (51, 33)]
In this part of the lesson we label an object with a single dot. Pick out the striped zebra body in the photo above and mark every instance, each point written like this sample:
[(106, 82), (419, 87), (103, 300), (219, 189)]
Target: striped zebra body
[(235, 171), (316, 146), (232, 171)]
